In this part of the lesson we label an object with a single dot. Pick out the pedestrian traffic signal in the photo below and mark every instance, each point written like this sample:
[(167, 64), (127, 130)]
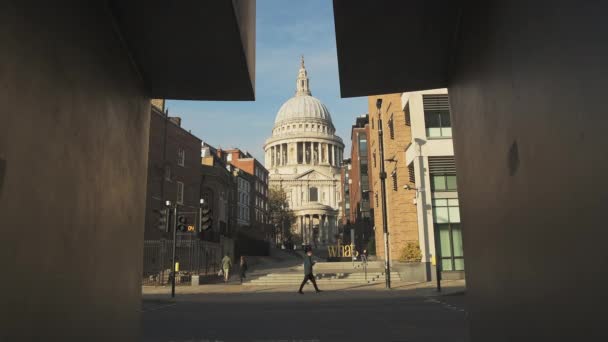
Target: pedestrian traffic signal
[(182, 223), (163, 220), (206, 219)]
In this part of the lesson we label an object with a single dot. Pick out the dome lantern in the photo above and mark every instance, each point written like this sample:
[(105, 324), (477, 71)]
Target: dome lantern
[(303, 107)]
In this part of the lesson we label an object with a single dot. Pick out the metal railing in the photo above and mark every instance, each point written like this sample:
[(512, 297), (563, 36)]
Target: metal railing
[(194, 257)]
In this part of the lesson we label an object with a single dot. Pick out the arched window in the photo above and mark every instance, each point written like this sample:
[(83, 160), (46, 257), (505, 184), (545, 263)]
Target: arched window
[(314, 194)]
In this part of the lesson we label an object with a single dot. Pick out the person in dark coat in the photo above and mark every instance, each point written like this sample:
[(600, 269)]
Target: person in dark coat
[(308, 275), (242, 268)]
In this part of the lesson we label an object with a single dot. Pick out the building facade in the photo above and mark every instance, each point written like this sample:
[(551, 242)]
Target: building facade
[(344, 180), (245, 184), (173, 171), (421, 189), (430, 155), (402, 217), (219, 190), (361, 213), (244, 161), (304, 156)]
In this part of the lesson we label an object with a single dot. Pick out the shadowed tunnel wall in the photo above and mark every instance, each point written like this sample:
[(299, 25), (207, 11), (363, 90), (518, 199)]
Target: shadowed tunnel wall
[(73, 158), (528, 97)]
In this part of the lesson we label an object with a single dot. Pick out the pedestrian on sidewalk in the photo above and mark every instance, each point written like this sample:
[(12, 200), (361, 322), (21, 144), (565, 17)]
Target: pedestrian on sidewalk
[(243, 268), (308, 275), (226, 266)]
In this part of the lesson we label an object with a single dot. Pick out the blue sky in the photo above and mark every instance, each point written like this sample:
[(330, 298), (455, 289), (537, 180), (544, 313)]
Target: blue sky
[(285, 30)]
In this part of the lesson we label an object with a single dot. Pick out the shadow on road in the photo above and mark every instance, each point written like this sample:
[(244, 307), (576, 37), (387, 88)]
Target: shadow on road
[(272, 314)]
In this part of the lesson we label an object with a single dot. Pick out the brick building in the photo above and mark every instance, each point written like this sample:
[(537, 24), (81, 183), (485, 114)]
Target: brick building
[(173, 169), (360, 215), (401, 210), (345, 204), (422, 198), (244, 161)]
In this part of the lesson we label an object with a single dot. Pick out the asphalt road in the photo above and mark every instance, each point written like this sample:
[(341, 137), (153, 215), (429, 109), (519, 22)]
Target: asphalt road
[(338, 315)]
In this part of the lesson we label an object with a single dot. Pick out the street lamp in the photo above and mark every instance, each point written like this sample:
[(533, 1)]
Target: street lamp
[(387, 263), (173, 268)]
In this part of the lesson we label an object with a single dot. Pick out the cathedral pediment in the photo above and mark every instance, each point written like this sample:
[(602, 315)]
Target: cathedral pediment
[(312, 175)]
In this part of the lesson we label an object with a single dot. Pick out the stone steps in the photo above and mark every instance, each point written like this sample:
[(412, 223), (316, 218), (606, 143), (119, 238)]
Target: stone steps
[(322, 278)]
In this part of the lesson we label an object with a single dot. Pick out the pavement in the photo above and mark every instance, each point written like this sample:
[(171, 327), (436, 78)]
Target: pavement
[(368, 312)]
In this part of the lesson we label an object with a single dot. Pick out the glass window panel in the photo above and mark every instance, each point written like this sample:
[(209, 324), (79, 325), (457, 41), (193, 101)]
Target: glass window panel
[(363, 146), (444, 240), (433, 132), (451, 182), (441, 215), (431, 119), (454, 214), (445, 119), (446, 132), (440, 202), (453, 202), (439, 183), (457, 238), (459, 263), (446, 265)]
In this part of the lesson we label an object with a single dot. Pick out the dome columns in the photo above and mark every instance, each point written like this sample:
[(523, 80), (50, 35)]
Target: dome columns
[(307, 152)]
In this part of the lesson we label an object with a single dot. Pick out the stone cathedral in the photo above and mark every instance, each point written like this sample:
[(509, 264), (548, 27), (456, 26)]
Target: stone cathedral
[(304, 156)]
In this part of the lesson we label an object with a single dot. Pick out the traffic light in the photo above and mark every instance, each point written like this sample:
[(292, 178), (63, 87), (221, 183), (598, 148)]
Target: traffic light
[(182, 223), (206, 219), (163, 219)]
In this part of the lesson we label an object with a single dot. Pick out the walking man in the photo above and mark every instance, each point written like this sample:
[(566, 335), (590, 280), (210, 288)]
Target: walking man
[(242, 268), (226, 266), (308, 275)]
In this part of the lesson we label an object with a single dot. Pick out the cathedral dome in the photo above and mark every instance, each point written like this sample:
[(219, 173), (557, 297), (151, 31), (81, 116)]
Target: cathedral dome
[(303, 107)]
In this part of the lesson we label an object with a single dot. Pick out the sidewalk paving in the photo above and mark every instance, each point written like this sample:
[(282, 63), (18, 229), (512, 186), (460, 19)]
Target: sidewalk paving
[(424, 289)]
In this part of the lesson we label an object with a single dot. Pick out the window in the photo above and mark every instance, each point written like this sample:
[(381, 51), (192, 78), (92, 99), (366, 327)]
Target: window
[(394, 178), (443, 182), (313, 194), (411, 174), (374, 157), (181, 156), (180, 193), (437, 124), (448, 234), (408, 118), (362, 145), (391, 127)]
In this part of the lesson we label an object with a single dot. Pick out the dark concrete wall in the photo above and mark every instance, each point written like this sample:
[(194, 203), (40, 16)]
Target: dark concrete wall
[(74, 144), (528, 97)]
